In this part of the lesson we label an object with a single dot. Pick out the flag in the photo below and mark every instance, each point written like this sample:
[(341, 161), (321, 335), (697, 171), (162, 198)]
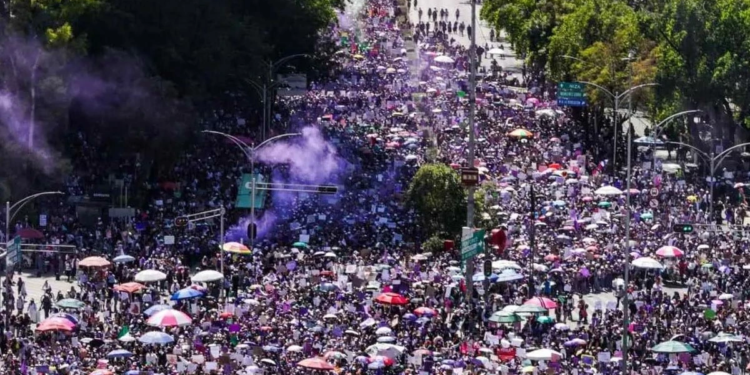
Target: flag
[(123, 331)]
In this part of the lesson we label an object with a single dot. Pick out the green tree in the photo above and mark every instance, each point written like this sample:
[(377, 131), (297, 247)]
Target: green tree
[(529, 25), (704, 58), (439, 199)]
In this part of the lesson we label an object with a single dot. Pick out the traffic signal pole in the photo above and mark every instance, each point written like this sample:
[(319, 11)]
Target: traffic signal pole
[(203, 216)]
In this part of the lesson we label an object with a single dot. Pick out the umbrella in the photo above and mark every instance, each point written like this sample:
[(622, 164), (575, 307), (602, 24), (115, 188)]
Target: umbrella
[(55, 324), (94, 262), (545, 319), (647, 263), (156, 308), (150, 276), (724, 337), (383, 349), (542, 302), (444, 59), (123, 258), (315, 364), (544, 355), (186, 293), (504, 317), (521, 133), (236, 248), (156, 337), (132, 287), (669, 252), (169, 318), (608, 191), (70, 303), (425, 311), (294, 348), (392, 299), (383, 331), (119, 353), (207, 276), (530, 309), (672, 347), (69, 317), (30, 234), (508, 275), (300, 245)]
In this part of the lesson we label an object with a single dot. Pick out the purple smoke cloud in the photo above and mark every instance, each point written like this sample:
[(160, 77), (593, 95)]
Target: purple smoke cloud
[(310, 158)]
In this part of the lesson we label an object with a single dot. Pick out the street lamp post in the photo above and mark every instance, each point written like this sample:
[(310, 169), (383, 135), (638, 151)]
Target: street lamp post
[(10, 214), (472, 140), (268, 85), (249, 151), (616, 97), (714, 161)]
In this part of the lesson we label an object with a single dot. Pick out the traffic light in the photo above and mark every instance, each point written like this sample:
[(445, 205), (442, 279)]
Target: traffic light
[(252, 231), (181, 221), (487, 267), (328, 189), (682, 228)]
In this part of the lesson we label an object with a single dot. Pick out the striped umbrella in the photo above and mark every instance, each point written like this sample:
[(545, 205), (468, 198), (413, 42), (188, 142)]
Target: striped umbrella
[(521, 133), (669, 252)]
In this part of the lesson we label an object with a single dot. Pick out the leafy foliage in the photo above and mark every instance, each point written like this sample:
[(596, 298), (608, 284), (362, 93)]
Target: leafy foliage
[(439, 199)]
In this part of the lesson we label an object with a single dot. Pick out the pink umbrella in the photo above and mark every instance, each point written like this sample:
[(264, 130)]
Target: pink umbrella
[(541, 302), (169, 318), (669, 252)]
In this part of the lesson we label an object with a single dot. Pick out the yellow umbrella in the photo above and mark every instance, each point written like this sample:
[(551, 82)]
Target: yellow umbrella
[(236, 248), (358, 57), (692, 198), (528, 369)]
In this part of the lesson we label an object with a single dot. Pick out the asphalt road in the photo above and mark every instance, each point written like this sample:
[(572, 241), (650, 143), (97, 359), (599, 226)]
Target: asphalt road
[(510, 63)]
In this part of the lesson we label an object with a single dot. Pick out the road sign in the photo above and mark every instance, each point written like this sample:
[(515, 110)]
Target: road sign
[(654, 192), (654, 203), (14, 252), (571, 94), (472, 244), (470, 176)]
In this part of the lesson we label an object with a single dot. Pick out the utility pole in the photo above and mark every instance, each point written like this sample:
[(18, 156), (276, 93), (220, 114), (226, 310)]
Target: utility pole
[(532, 239), (472, 139)]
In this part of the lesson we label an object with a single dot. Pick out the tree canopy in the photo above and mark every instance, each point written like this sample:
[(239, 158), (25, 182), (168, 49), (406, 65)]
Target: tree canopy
[(697, 51), (139, 76), (439, 199)]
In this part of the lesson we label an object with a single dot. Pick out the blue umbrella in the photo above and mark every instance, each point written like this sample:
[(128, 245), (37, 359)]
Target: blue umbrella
[(133, 372), (119, 353), (410, 317), (272, 348), (156, 337), (478, 277), (156, 308), (186, 293), (328, 287)]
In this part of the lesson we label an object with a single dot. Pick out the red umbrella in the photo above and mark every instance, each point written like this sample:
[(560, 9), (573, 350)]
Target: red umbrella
[(392, 299), (132, 287), (94, 262), (541, 302), (30, 234), (425, 311), (226, 315), (315, 364), (55, 324)]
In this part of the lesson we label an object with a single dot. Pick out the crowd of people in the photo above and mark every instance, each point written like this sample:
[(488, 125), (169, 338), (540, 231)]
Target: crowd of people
[(340, 283)]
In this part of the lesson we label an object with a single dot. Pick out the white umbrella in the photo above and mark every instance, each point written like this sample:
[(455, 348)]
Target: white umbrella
[(207, 276), (444, 59), (127, 338), (503, 264), (544, 355), (508, 275), (648, 263), (150, 276), (383, 331), (496, 51), (608, 191), (384, 349), (294, 348)]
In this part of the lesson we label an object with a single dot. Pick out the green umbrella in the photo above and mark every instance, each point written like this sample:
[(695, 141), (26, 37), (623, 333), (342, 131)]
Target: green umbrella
[(504, 317), (605, 204), (300, 244), (545, 319), (70, 303), (672, 347)]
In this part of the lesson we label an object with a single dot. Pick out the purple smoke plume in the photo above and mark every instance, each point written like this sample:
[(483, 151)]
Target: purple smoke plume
[(239, 232), (310, 158)]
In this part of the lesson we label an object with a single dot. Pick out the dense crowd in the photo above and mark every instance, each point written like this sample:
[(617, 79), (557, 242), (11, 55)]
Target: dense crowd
[(341, 284)]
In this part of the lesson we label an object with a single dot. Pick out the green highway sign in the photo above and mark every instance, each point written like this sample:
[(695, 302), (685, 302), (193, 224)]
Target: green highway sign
[(13, 255), (472, 245), (571, 94)]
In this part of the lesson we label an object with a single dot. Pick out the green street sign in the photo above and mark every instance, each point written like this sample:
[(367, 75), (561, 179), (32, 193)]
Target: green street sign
[(571, 94), (14, 252), (472, 245)]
